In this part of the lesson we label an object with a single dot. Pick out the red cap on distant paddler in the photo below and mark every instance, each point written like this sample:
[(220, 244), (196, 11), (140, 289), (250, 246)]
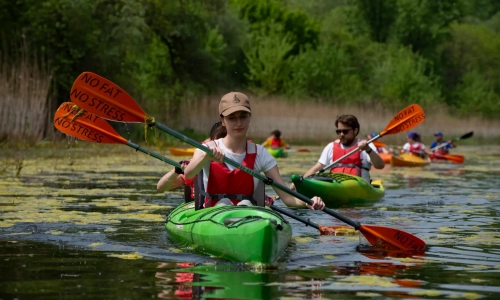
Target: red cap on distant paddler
[(232, 102)]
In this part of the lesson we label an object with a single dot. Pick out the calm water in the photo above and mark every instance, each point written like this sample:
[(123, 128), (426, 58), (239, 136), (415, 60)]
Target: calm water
[(87, 223)]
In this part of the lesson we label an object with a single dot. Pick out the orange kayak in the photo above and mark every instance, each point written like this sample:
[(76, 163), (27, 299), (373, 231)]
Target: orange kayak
[(386, 157), (182, 151), (408, 160)]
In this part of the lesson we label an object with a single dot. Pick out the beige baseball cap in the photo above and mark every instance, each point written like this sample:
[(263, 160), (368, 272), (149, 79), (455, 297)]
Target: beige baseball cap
[(232, 102)]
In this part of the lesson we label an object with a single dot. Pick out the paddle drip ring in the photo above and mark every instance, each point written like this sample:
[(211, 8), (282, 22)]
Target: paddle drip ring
[(74, 109)]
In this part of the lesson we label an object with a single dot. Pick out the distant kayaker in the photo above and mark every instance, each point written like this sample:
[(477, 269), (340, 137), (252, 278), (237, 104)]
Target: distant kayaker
[(414, 145), (441, 145), (224, 184), (381, 147), (358, 163), (275, 141)]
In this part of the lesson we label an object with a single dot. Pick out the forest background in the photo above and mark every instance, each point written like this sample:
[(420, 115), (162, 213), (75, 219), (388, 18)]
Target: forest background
[(303, 62)]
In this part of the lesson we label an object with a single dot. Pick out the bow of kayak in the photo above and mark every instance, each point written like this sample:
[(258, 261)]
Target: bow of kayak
[(277, 152), (182, 151), (235, 233), (338, 189)]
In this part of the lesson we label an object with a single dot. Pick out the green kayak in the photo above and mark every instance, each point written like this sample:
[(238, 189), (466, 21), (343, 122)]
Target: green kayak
[(235, 233), (338, 189), (277, 152)]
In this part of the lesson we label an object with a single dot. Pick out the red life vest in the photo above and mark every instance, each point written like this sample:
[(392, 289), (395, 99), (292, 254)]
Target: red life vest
[(275, 143), (416, 149), (236, 185), (349, 165)]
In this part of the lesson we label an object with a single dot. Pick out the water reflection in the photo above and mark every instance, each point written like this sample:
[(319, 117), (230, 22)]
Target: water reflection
[(94, 228)]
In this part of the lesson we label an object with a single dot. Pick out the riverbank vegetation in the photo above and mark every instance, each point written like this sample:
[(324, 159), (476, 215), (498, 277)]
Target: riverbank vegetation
[(171, 55)]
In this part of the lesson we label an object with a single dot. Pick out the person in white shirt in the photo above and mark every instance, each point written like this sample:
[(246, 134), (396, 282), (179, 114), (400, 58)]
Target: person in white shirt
[(358, 163)]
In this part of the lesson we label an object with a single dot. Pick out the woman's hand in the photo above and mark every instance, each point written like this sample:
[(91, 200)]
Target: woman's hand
[(318, 204), (218, 154)]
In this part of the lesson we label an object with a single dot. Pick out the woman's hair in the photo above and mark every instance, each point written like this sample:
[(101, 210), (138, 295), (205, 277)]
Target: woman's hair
[(276, 133), (348, 120), (218, 131)]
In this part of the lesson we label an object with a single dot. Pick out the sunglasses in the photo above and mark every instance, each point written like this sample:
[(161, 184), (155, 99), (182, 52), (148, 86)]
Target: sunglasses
[(344, 131)]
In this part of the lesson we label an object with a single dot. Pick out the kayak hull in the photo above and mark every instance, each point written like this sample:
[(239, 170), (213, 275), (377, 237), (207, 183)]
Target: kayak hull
[(338, 189), (277, 152), (182, 151), (408, 160), (235, 233)]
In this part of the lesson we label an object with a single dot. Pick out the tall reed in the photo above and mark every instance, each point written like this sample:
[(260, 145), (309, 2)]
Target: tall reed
[(24, 93), (315, 121)]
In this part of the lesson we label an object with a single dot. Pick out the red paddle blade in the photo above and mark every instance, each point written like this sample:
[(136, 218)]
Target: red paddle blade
[(85, 126), (392, 239), (102, 97), (406, 119), (455, 158)]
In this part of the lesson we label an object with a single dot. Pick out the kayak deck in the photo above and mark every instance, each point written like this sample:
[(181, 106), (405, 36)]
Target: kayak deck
[(235, 233), (338, 189)]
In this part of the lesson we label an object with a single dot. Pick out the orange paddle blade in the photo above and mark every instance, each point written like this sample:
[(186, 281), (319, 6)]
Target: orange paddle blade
[(392, 239), (455, 158), (102, 97), (85, 126), (406, 119), (379, 144)]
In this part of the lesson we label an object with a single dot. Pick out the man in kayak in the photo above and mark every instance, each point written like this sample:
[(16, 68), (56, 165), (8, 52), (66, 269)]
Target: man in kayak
[(275, 141), (224, 184), (414, 145), (358, 163), (441, 145)]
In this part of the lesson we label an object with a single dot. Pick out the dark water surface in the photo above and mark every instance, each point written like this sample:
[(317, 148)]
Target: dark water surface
[(88, 223)]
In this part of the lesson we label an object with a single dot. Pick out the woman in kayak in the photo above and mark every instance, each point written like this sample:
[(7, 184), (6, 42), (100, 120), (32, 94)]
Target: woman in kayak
[(176, 178), (275, 141), (224, 184), (358, 163), (414, 145)]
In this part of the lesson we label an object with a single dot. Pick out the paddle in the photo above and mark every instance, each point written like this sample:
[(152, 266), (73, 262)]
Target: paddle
[(408, 118), (92, 128), (463, 137), (104, 98), (89, 127)]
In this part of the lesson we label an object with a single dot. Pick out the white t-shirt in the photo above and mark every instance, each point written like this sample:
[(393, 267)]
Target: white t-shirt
[(406, 147), (264, 161), (327, 154)]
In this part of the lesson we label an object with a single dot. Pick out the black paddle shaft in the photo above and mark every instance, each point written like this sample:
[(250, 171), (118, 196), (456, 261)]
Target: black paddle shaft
[(294, 216), (264, 179)]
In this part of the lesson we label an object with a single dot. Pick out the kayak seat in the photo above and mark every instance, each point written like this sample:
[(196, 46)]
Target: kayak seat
[(377, 186)]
